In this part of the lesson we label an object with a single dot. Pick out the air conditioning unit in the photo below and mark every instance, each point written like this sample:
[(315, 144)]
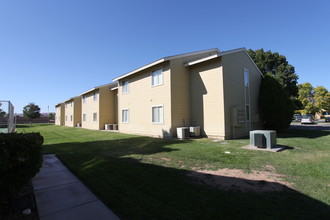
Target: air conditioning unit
[(107, 127), (182, 132), (195, 131), (263, 138), (78, 125)]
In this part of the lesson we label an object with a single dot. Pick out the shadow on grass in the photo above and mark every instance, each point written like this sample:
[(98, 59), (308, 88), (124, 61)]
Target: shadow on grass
[(294, 132), (136, 190)]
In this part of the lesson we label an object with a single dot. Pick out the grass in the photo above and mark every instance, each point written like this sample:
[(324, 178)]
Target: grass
[(144, 178)]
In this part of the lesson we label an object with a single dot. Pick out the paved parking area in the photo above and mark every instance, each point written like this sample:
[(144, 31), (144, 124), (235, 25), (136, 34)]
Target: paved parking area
[(316, 126), (62, 196)]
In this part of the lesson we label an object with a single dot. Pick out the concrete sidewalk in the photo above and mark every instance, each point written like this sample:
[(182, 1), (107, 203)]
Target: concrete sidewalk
[(60, 195)]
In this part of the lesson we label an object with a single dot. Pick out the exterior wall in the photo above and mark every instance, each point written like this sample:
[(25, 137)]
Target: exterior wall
[(77, 111), (69, 113), (180, 91), (107, 107), (59, 114), (233, 81), (207, 102), (139, 100), (89, 107)]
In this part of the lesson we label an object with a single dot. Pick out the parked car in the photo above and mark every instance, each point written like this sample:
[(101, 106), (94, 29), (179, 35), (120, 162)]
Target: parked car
[(307, 119), (296, 117)]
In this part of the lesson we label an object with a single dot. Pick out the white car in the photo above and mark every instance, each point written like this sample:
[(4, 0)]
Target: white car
[(307, 119)]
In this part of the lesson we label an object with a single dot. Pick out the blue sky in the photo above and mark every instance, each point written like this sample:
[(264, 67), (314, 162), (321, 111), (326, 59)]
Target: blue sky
[(51, 50)]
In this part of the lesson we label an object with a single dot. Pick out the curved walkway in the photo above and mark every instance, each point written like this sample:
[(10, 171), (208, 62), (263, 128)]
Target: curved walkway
[(60, 195)]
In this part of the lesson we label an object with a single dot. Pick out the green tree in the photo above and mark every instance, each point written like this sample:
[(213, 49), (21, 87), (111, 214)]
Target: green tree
[(321, 98), (31, 111), (51, 115), (306, 97), (275, 103), (276, 65), (2, 113)]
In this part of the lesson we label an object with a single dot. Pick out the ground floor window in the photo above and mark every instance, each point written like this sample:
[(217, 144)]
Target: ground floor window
[(157, 114), (94, 116), (71, 118), (125, 115), (84, 117)]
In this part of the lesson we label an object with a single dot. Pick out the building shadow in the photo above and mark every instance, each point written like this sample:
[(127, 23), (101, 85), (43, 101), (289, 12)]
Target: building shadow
[(141, 188)]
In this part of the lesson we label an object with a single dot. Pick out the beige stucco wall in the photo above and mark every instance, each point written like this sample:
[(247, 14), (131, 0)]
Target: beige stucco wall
[(59, 114), (107, 107), (68, 113), (233, 68), (104, 106), (88, 108), (76, 110), (140, 99), (206, 94)]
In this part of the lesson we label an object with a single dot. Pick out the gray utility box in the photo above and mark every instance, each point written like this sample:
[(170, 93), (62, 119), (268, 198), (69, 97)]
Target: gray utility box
[(263, 138)]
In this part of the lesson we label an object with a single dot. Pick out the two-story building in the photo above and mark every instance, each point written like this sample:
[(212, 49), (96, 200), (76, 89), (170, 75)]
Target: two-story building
[(72, 111)]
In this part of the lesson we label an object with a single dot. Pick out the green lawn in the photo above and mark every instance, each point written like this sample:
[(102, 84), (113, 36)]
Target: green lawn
[(145, 178)]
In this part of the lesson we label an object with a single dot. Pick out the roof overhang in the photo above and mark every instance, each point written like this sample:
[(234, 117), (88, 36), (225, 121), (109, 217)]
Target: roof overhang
[(110, 85), (223, 54), (163, 60)]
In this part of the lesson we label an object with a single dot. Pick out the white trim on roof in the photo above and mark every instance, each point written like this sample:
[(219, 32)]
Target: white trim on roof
[(114, 88), (97, 87), (165, 59), (223, 54)]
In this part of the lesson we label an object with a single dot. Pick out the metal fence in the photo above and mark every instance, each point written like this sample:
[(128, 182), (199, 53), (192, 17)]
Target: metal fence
[(7, 119)]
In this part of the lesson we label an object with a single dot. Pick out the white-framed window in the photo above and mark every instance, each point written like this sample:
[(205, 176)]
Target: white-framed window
[(94, 116), (84, 99), (125, 115), (157, 77), (70, 117), (84, 117), (95, 96), (246, 77), (124, 85), (157, 114)]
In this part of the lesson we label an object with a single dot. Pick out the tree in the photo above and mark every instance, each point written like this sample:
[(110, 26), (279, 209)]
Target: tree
[(306, 97), (31, 111), (275, 103), (2, 113), (322, 98), (276, 65), (51, 115)]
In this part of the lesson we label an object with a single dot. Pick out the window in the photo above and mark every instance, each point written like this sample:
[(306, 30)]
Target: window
[(157, 77), (95, 96), (71, 104), (157, 114), (84, 99), (70, 117), (84, 117), (246, 77), (125, 115), (94, 116), (247, 111), (125, 86)]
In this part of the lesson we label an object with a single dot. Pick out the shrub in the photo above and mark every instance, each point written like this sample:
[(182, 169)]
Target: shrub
[(20, 160), (276, 106)]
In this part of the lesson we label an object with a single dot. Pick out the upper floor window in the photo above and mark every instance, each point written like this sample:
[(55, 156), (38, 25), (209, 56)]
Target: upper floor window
[(124, 86), (84, 99), (246, 78), (95, 96), (157, 77)]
